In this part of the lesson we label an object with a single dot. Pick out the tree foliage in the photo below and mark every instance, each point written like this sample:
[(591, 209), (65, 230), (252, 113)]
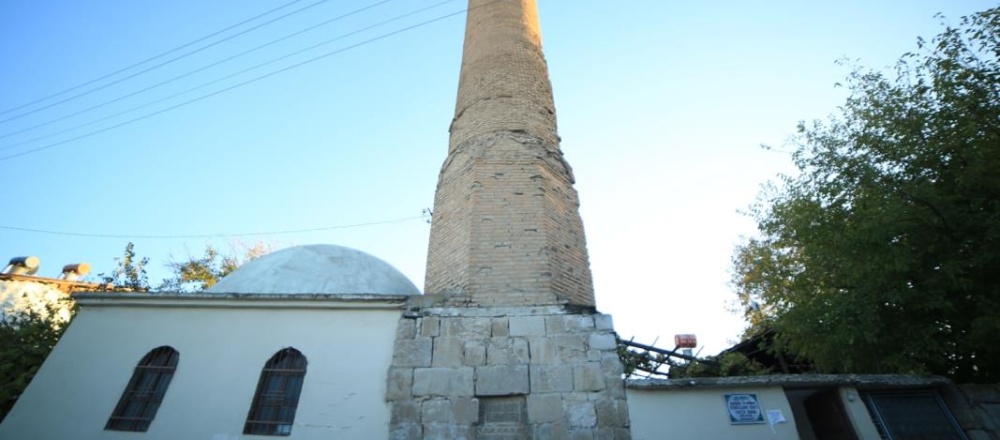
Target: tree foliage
[(198, 274), (130, 273), (722, 365), (26, 338), (883, 254)]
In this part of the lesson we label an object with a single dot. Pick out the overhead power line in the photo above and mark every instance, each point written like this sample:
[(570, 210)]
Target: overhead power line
[(249, 81), (149, 59), (220, 235), (101, 87), (206, 67)]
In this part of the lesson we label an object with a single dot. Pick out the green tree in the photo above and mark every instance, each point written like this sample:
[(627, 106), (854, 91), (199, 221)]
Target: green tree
[(26, 338), (198, 274), (883, 254), (130, 273), (28, 335)]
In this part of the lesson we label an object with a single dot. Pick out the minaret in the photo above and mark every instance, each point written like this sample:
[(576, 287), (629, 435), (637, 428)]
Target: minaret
[(506, 227), (505, 343)]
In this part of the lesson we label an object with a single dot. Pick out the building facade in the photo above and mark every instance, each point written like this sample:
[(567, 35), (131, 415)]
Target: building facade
[(505, 343), (93, 385)]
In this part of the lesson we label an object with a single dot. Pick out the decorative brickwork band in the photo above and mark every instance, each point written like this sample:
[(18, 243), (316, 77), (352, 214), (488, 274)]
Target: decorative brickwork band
[(506, 228)]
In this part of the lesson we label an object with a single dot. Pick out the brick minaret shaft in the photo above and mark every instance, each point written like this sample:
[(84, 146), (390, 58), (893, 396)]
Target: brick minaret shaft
[(492, 350), (506, 228)]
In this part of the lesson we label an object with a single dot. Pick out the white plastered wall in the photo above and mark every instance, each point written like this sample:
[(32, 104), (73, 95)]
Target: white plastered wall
[(700, 413), (222, 351)]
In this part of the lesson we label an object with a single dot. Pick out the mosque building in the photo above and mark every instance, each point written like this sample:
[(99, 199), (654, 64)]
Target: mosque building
[(326, 342), (323, 341)]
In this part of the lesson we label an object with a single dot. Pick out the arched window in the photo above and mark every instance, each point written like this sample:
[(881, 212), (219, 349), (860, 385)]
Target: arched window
[(277, 396), (142, 397)]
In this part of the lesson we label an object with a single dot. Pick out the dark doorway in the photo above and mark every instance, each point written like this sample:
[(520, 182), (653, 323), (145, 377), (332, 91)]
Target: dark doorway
[(828, 418)]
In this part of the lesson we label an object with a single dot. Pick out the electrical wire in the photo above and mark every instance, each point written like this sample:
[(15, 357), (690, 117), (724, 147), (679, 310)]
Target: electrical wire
[(3, 112), (166, 62), (206, 67), (130, 110), (220, 235), (252, 80)]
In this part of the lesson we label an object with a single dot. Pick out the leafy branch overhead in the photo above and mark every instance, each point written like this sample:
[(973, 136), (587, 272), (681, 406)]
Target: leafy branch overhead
[(640, 360), (130, 273), (883, 254), (198, 274)]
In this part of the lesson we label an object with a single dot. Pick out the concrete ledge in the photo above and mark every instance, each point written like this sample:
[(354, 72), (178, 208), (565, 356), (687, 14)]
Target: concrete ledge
[(860, 381), (427, 305), (242, 300), (470, 312)]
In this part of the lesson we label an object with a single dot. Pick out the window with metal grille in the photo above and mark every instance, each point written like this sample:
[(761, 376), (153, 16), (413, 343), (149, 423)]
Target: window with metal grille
[(915, 415), (138, 404), (277, 396)]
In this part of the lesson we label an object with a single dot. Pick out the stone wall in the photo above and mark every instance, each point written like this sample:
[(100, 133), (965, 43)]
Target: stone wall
[(506, 373)]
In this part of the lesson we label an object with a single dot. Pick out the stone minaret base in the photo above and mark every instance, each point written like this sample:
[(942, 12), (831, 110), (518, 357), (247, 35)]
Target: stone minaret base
[(505, 373)]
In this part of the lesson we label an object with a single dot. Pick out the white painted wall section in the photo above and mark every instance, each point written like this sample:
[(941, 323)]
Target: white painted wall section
[(222, 351), (700, 413)]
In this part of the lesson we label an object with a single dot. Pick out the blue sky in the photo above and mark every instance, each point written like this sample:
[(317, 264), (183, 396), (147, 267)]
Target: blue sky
[(662, 106)]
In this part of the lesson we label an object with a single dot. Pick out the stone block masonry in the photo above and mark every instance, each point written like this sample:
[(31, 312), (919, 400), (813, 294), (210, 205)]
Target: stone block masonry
[(531, 372)]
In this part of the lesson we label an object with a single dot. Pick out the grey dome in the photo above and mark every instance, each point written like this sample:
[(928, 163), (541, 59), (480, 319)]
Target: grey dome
[(317, 269)]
